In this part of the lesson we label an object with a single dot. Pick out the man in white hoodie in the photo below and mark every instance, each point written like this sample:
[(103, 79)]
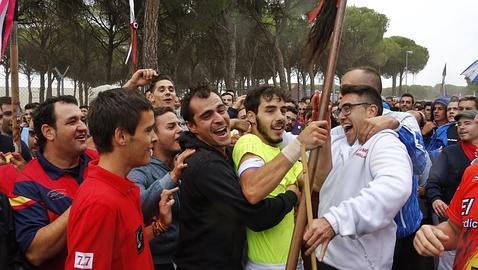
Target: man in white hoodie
[(367, 184)]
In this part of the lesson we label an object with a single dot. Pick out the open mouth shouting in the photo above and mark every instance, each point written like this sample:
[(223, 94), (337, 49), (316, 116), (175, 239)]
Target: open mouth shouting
[(81, 137), (349, 132), (168, 100), (347, 128), (221, 132)]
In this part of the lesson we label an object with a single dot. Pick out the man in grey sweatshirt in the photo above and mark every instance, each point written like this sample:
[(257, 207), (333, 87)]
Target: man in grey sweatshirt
[(162, 173)]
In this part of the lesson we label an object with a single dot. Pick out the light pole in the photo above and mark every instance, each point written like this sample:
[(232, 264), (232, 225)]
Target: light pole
[(406, 69)]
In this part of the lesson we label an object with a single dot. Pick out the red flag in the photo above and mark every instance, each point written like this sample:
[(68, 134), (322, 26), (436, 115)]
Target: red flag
[(7, 12), (312, 15)]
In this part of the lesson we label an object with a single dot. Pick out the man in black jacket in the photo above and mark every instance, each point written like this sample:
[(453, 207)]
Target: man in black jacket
[(447, 171), (10, 255), (214, 212)]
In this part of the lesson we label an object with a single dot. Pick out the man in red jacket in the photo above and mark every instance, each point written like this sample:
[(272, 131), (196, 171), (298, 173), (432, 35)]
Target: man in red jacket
[(43, 191), (105, 227)]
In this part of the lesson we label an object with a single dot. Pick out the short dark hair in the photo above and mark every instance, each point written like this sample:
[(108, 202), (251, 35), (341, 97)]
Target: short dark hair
[(160, 111), (44, 114), (371, 71), (112, 109), (369, 93), (427, 103), (254, 95), (470, 98), (232, 92), (5, 100), (408, 95), (227, 94), (31, 106), (84, 107), (203, 92), (304, 99), (158, 78), (292, 109)]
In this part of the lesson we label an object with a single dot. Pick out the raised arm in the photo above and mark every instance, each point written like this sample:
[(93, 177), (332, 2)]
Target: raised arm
[(259, 178), (141, 77)]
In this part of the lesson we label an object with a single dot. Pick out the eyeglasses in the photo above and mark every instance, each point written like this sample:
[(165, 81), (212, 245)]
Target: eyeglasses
[(347, 109)]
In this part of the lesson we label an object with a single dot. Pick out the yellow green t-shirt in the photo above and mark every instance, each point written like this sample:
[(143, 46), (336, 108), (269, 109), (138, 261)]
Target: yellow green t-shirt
[(270, 246)]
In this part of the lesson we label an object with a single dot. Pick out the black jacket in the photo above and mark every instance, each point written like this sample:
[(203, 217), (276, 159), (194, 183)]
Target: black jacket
[(445, 174), (214, 214), (10, 255), (6, 145)]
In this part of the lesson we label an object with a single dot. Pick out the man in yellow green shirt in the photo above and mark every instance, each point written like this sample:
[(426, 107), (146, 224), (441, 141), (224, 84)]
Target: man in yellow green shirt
[(265, 170)]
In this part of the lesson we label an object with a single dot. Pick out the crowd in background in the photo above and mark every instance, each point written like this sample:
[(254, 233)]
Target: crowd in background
[(236, 162)]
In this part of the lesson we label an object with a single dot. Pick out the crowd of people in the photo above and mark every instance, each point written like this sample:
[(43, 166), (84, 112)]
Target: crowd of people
[(212, 180)]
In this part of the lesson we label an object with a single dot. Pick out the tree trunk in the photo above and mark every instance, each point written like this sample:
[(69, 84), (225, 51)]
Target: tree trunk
[(7, 79), (400, 84), (49, 83), (41, 92), (151, 34), (289, 82), (58, 86), (80, 93), (74, 87), (304, 85), (109, 54), (280, 63), (29, 86), (312, 81), (394, 85), (86, 88), (231, 52), (298, 85)]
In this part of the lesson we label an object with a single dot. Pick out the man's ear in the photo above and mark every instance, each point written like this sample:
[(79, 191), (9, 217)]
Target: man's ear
[(120, 137), (372, 110), (48, 132), (192, 127), (251, 117), (150, 97)]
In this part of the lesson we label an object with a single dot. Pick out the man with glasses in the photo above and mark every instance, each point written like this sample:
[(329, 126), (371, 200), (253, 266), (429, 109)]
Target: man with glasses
[(366, 185), (406, 126)]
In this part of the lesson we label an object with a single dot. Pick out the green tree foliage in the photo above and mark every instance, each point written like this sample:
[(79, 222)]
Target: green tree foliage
[(232, 44), (396, 48), (363, 32), (430, 93)]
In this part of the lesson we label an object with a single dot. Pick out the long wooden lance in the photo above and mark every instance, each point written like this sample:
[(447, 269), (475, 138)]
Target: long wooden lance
[(14, 87), (331, 12)]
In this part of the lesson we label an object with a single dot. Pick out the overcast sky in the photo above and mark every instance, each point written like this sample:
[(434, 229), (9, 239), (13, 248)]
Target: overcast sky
[(449, 30)]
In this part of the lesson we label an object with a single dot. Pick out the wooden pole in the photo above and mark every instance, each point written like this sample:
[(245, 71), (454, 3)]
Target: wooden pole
[(308, 199), (14, 87), (300, 224)]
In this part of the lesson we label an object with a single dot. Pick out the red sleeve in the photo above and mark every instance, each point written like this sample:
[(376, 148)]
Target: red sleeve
[(8, 173), (454, 209), (90, 237)]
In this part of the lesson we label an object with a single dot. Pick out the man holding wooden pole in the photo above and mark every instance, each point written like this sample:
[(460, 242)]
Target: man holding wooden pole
[(266, 171), (367, 184)]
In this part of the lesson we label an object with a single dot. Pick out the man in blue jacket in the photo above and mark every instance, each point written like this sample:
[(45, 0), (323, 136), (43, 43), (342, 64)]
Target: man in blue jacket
[(162, 173)]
